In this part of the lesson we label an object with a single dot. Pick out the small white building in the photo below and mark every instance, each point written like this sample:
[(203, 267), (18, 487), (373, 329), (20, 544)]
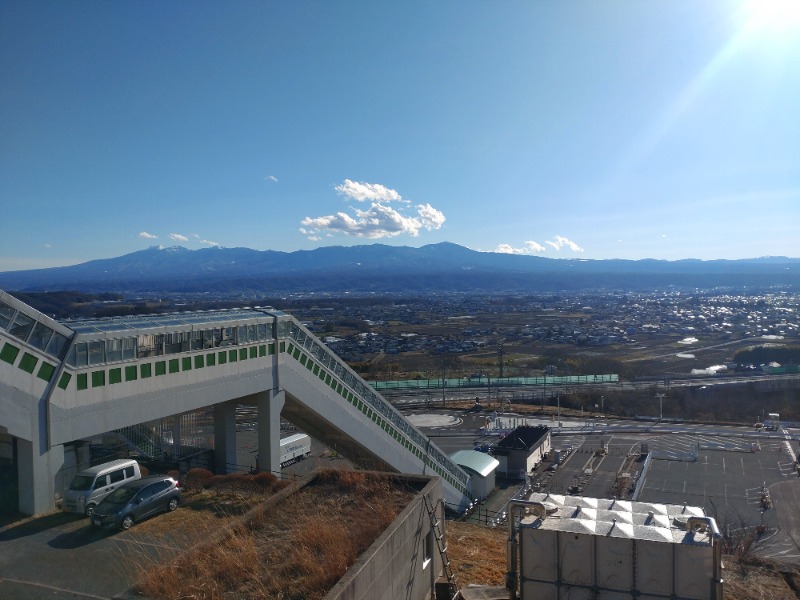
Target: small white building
[(521, 450), (481, 468)]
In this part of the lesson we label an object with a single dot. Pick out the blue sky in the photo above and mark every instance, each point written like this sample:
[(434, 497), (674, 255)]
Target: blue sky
[(594, 129)]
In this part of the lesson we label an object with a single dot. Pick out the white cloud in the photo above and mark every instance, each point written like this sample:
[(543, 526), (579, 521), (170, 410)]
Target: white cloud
[(362, 191), (147, 236), (529, 247), (378, 221), (177, 237), (209, 243), (48, 246), (561, 242), (271, 178), (430, 217)]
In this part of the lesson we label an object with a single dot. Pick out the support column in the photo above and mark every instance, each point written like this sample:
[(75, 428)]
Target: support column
[(270, 405), (36, 476), (176, 436), (224, 437)]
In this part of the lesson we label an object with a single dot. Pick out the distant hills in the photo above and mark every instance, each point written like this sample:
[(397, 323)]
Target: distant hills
[(443, 267)]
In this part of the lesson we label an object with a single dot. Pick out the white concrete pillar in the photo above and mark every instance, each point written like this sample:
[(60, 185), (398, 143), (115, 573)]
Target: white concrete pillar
[(270, 405), (37, 472), (224, 437), (176, 436)]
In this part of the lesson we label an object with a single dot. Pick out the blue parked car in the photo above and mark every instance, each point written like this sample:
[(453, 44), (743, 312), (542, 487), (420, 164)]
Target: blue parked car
[(137, 500)]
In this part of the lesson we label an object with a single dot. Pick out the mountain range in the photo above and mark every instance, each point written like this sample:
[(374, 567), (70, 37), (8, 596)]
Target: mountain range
[(378, 268)]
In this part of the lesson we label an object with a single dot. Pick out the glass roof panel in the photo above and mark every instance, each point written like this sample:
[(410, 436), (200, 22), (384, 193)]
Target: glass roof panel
[(164, 320)]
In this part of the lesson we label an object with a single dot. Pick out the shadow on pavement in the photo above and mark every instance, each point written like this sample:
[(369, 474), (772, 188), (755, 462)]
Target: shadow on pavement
[(33, 526), (81, 537)]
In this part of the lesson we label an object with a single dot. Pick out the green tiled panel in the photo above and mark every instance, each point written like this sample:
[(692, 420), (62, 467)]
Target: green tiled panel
[(233, 356), (283, 346), (130, 373), (211, 359), (272, 349), (28, 362), (174, 365), (187, 363), (98, 378), (64, 381), (46, 371), (199, 361), (253, 351), (82, 381), (242, 353), (262, 350), (115, 375), (9, 353), (146, 370), (223, 357), (161, 368)]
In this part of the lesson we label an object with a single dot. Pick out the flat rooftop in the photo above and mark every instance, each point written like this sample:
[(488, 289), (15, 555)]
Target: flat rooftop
[(617, 518)]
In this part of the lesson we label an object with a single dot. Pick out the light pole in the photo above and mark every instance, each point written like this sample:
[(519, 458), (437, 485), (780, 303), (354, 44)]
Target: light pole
[(660, 406), (444, 402), (558, 400)]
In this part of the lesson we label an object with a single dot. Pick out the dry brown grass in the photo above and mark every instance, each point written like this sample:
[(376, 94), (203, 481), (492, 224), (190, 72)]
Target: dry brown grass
[(298, 548), (477, 553)]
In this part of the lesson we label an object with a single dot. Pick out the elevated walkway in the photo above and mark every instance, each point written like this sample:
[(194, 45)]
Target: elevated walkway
[(67, 381)]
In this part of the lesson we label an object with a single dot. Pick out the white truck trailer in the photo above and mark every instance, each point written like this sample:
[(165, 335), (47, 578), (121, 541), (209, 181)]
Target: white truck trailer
[(772, 422), (295, 447)]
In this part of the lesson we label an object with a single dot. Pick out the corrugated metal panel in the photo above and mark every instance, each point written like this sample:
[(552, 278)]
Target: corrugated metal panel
[(479, 462)]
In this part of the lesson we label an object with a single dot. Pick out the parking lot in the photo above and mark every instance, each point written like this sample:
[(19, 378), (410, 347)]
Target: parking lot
[(61, 556), (725, 473)]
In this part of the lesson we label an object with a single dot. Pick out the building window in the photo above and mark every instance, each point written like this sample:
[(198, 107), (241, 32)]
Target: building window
[(28, 362), (9, 353), (427, 549), (98, 378), (46, 371), (114, 376), (21, 327), (64, 381)]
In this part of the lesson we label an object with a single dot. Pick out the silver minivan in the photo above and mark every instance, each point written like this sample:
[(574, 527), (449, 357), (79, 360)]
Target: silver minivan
[(91, 485)]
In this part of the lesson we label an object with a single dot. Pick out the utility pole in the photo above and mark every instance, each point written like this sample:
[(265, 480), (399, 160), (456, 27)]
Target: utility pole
[(500, 350), (660, 406), (444, 402), (558, 400)]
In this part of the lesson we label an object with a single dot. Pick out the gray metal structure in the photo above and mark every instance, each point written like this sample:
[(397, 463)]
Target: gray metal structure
[(66, 381)]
